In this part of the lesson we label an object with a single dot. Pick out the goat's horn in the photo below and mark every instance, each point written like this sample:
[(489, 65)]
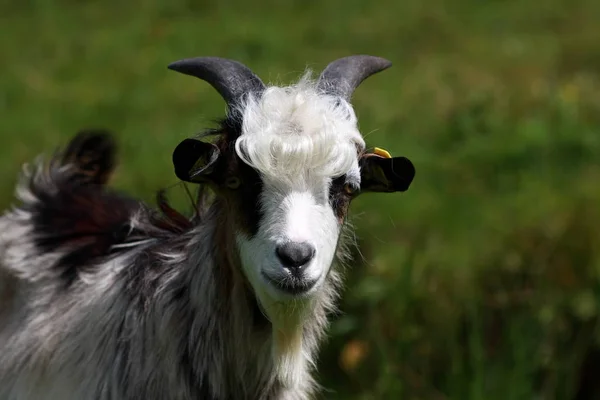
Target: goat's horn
[(342, 76), (230, 78)]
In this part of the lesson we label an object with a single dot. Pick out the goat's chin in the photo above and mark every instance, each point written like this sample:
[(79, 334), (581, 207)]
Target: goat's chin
[(284, 308)]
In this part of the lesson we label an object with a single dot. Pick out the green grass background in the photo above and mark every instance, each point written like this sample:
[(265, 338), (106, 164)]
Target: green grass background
[(480, 282)]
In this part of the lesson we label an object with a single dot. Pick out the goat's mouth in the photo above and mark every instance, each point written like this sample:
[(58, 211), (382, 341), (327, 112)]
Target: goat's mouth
[(291, 285)]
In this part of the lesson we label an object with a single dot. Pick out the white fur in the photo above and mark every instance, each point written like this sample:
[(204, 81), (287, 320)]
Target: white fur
[(299, 139), (294, 133)]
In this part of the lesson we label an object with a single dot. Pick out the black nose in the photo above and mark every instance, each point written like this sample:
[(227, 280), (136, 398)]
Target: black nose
[(295, 255)]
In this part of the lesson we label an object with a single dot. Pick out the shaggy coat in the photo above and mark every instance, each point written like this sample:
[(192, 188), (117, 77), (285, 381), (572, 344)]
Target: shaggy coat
[(103, 297)]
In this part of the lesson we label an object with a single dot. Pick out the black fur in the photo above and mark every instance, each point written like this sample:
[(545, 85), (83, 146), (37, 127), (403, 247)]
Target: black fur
[(78, 213), (339, 198)]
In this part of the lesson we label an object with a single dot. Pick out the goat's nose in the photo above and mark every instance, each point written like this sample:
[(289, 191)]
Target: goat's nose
[(295, 255)]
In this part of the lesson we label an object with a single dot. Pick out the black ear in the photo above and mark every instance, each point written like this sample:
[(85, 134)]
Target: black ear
[(381, 174), (195, 160)]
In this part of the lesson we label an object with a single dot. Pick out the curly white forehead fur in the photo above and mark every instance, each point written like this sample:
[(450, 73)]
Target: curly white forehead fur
[(294, 130)]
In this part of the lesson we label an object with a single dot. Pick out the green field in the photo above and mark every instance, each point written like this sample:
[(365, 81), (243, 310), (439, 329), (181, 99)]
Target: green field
[(479, 283)]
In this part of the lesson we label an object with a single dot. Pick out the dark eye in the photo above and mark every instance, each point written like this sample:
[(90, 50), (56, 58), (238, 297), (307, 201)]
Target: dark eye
[(350, 188), (233, 182)]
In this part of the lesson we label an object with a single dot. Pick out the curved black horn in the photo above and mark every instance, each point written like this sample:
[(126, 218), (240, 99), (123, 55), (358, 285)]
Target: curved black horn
[(342, 76), (230, 78)]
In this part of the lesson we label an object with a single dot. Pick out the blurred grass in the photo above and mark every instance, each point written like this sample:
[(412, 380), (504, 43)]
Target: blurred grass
[(482, 281)]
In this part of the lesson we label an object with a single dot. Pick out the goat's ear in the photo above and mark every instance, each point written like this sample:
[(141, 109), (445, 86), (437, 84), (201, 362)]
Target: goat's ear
[(194, 160), (381, 172)]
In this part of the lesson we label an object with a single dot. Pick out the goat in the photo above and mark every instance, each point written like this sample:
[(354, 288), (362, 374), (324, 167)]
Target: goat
[(104, 297)]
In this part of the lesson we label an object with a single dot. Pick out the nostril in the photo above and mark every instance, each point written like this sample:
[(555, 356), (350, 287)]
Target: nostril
[(294, 254)]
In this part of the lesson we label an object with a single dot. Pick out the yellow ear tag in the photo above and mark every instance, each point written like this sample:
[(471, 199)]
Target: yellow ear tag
[(381, 152)]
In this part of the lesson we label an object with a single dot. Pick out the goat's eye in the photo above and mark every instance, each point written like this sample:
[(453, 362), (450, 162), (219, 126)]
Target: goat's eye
[(233, 182), (350, 188)]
